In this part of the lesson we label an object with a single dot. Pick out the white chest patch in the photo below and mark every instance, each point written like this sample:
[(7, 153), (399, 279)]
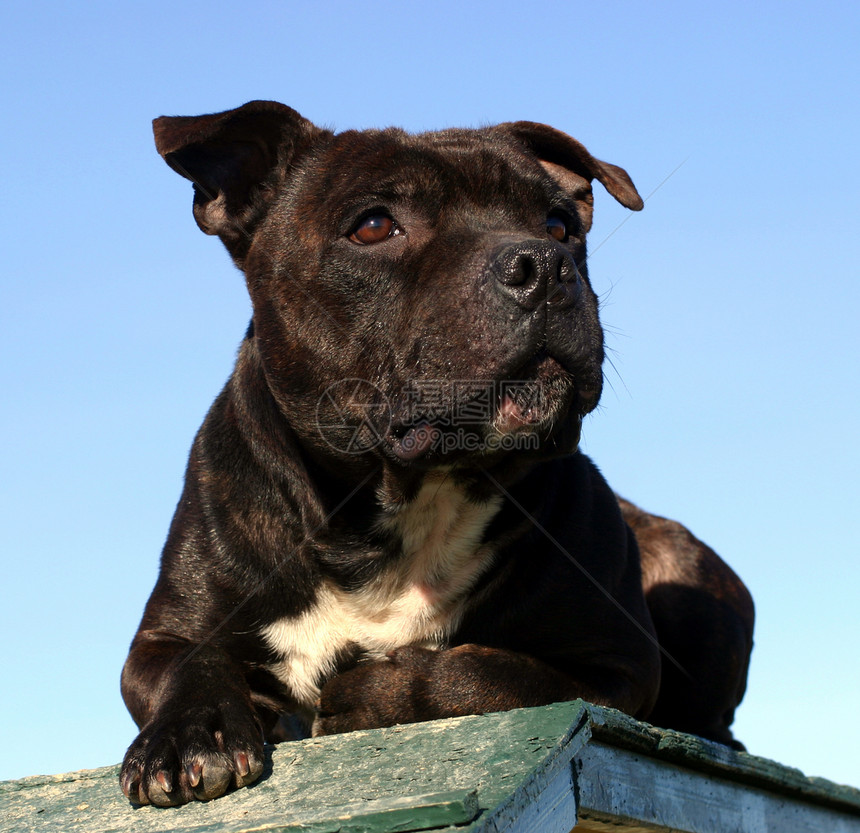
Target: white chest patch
[(417, 602)]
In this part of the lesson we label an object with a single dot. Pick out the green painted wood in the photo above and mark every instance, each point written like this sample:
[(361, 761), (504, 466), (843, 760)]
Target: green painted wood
[(624, 790), (545, 799), (497, 773), (545, 803), (615, 728), (394, 815), (314, 785)]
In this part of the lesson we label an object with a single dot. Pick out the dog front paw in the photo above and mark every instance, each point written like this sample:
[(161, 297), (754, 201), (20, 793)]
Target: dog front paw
[(193, 756), (375, 694)]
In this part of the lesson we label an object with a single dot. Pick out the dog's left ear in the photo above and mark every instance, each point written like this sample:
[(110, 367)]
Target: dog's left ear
[(573, 167), (235, 160)]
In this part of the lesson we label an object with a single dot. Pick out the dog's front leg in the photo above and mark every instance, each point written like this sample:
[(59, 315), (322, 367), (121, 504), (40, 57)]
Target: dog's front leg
[(199, 732), (416, 684)]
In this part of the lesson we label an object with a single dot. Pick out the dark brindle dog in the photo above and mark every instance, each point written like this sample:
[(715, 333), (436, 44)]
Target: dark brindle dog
[(385, 516)]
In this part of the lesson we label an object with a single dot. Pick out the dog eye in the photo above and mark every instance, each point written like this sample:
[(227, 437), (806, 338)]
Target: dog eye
[(374, 229), (556, 227)]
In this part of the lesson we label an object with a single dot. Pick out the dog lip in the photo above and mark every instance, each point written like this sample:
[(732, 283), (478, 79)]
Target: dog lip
[(537, 395), (511, 416), (545, 363), (587, 398), (410, 442)]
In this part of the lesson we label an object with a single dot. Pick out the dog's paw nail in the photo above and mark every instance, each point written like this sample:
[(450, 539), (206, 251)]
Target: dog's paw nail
[(243, 765), (164, 780), (193, 771), (213, 780), (130, 784)]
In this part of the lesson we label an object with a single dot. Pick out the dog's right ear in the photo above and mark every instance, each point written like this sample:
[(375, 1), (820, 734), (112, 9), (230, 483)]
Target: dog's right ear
[(573, 167), (235, 160)]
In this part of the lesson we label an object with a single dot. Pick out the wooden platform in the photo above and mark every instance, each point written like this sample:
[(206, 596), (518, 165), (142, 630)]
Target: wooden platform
[(548, 770)]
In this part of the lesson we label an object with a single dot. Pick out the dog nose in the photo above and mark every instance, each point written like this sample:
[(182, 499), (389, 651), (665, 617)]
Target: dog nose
[(533, 272)]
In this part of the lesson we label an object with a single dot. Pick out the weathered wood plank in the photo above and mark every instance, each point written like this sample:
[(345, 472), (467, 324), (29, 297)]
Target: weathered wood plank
[(621, 786), (314, 782), (545, 800), (512, 772), (614, 728), (391, 815), (548, 806)]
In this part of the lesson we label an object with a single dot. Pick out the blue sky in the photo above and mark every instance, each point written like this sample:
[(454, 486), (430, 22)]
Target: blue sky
[(731, 303)]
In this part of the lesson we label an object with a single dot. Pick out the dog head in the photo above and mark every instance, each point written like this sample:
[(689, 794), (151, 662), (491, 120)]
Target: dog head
[(409, 289)]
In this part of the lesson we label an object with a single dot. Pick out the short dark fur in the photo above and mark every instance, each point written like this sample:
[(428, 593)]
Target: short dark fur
[(473, 288)]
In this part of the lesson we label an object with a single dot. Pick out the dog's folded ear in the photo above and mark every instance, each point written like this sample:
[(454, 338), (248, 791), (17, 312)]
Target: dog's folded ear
[(234, 159), (573, 167)]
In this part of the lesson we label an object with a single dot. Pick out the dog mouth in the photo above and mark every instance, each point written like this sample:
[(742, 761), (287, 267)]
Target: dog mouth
[(453, 421)]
